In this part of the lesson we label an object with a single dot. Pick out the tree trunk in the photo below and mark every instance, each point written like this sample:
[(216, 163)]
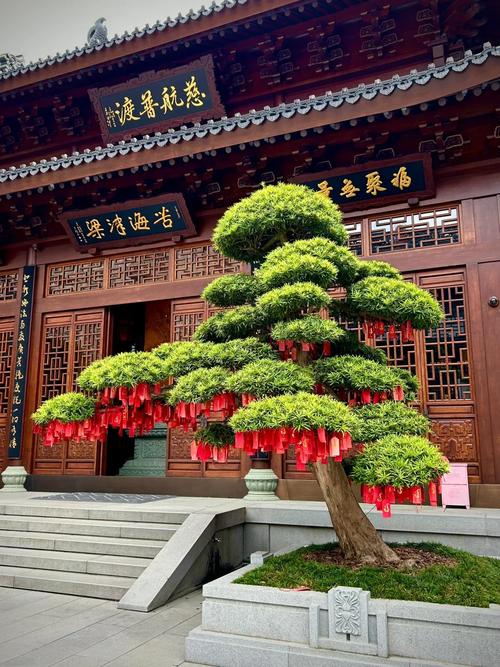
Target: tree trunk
[(357, 537)]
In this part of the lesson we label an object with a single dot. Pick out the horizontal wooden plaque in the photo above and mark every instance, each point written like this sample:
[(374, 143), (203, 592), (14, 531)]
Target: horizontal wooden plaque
[(158, 101), (130, 223)]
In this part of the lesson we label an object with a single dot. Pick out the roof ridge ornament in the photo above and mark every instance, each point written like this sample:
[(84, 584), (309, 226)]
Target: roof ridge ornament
[(9, 63), (98, 33)]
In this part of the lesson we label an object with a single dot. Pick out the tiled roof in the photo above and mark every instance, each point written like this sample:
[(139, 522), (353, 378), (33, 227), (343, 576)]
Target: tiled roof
[(265, 115), (159, 26)]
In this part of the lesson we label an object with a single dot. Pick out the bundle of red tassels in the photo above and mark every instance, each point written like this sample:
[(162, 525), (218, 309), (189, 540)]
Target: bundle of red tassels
[(385, 496), (203, 451), (374, 328), (289, 349), (186, 414), (310, 446), (366, 396)]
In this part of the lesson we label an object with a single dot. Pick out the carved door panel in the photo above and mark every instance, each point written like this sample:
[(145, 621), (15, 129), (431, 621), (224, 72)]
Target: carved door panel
[(6, 366), (69, 343), (186, 316)]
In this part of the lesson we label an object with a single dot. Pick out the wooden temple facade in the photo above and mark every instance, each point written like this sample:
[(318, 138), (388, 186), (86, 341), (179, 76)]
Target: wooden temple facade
[(117, 159)]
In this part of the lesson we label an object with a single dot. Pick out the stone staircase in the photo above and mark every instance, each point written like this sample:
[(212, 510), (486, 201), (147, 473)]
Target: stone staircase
[(97, 552)]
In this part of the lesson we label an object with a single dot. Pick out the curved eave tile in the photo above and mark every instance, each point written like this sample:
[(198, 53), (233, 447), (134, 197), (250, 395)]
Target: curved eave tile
[(243, 121)]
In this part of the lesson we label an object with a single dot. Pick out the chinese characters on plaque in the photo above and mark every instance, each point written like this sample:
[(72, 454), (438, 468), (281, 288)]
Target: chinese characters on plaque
[(141, 221), (21, 362), (383, 182), (158, 100)]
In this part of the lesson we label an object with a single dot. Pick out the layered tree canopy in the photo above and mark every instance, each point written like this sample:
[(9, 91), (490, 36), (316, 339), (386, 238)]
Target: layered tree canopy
[(276, 368)]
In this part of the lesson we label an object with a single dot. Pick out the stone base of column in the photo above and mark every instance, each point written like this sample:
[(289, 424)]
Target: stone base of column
[(261, 484), (13, 478)]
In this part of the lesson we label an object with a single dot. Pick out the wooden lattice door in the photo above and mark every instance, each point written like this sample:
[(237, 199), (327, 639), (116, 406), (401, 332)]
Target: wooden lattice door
[(186, 316), (441, 360), (69, 342), (6, 366)]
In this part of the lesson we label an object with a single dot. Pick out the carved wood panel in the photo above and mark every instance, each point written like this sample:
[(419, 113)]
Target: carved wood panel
[(70, 342), (201, 261), (8, 285), (6, 350), (132, 269)]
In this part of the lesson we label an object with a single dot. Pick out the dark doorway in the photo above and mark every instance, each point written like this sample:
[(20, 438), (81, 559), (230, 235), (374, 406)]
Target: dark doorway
[(127, 335)]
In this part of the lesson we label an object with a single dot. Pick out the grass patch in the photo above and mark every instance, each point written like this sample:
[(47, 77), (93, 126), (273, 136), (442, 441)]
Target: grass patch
[(473, 581)]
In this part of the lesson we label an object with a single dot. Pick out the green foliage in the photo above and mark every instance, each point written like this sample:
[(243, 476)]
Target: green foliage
[(321, 248), (239, 322), (401, 461), (191, 355), (270, 378), (290, 301), (237, 353), (165, 350), (474, 581), (389, 418), (216, 434), (65, 408), (297, 268), (127, 369), (396, 301), (309, 329), (274, 215), (186, 357), (200, 385), (367, 268), (351, 372), (301, 411), (233, 290)]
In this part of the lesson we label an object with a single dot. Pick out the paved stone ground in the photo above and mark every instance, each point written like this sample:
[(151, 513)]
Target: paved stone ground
[(45, 629)]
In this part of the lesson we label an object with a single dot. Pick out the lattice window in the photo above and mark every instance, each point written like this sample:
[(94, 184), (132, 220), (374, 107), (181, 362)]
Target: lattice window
[(446, 350), (86, 276), (201, 261), (8, 286), (6, 349), (185, 324), (55, 360), (87, 346), (139, 269), (354, 231), (414, 229)]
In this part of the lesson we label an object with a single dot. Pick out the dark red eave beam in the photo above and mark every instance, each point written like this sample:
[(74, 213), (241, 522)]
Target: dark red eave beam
[(455, 82), (181, 31)]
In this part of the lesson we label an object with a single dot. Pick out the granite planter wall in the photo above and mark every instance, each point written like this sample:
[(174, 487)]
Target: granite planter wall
[(244, 626)]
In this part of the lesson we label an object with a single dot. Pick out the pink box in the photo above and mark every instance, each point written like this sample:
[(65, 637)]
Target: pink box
[(455, 486)]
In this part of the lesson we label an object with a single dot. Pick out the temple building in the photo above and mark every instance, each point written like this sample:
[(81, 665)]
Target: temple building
[(118, 158)]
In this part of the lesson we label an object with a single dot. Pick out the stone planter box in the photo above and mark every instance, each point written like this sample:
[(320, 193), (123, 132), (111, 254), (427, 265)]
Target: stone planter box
[(248, 626)]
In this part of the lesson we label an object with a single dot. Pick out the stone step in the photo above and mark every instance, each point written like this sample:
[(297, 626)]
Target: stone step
[(146, 531), (80, 543), (77, 510), (70, 583), (63, 561)]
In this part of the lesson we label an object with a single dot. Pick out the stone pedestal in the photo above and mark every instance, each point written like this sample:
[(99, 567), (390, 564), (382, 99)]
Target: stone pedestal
[(13, 478), (261, 484), (150, 452)]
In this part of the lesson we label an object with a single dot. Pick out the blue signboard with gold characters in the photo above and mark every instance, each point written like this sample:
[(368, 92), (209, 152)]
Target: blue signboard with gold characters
[(376, 184), (157, 101), (133, 222), (21, 363)]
